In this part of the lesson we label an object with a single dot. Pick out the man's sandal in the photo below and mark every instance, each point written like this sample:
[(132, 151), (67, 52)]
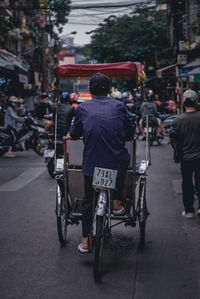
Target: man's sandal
[(81, 249)]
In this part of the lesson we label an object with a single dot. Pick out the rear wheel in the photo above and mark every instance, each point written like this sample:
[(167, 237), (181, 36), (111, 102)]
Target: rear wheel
[(98, 246), (62, 216), (41, 144), (142, 212), (2, 144), (50, 167)]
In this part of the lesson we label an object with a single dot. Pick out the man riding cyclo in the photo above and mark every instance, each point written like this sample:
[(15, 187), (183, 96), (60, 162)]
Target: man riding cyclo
[(149, 108), (105, 126)]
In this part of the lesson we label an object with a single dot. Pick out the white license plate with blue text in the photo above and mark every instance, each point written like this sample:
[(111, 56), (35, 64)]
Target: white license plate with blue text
[(104, 178), (49, 153)]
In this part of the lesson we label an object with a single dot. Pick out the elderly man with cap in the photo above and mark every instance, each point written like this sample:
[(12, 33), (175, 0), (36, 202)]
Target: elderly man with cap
[(185, 133), (105, 126)]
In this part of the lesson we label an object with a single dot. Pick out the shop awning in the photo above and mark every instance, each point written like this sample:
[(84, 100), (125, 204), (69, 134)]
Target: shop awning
[(194, 71), (159, 73), (193, 64), (14, 60), (6, 65)]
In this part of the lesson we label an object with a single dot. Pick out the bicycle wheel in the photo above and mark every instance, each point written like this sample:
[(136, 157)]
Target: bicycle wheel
[(98, 246), (62, 216), (142, 212)]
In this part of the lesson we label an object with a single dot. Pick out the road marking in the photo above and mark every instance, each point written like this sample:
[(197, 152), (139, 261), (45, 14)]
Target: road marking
[(23, 179)]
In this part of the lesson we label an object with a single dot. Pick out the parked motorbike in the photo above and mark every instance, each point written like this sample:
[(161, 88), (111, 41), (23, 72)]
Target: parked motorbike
[(28, 137), (49, 153), (150, 131)]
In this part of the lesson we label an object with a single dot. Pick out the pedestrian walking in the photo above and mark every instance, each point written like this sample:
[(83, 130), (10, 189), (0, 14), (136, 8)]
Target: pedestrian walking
[(10, 124), (185, 134)]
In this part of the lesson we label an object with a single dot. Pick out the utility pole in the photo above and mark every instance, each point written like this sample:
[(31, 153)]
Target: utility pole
[(178, 16)]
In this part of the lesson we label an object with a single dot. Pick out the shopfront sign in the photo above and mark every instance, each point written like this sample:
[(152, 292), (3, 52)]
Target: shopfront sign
[(194, 78), (181, 59), (40, 18), (183, 73)]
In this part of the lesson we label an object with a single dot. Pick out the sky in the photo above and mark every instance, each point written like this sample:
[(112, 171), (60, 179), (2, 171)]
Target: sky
[(86, 20)]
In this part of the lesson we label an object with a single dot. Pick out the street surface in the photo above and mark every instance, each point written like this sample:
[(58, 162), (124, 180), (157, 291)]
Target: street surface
[(34, 266)]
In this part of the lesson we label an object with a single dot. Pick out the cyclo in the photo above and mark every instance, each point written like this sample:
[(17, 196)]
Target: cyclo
[(68, 171)]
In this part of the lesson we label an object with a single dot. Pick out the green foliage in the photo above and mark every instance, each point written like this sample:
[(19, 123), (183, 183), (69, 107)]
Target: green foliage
[(4, 26), (140, 37), (59, 10)]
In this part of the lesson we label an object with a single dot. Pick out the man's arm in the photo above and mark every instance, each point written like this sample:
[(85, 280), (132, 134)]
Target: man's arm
[(173, 133), (14, 116), (76, 129), (129, 126), (155, 110)]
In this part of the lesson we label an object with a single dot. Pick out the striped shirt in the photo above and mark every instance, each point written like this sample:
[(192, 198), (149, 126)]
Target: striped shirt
[(105, 126)]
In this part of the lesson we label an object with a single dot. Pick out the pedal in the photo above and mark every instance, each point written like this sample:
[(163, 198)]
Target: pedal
[(77, 206)]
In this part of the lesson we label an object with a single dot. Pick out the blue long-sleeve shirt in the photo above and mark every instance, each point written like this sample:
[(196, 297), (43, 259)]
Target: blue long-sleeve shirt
[(105, 126), (11, 118)]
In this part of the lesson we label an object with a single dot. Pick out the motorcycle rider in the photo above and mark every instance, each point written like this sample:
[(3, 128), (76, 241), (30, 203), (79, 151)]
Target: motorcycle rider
[(10, 124), (43, 111), (73, 99), (105, 126), (65, 115), (149, 108)]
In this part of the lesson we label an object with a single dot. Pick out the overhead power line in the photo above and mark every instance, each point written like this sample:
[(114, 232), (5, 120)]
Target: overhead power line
[(105, 5), (82, 6)]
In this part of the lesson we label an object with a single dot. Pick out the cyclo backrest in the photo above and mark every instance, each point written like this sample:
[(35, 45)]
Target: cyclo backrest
[(75, 149)]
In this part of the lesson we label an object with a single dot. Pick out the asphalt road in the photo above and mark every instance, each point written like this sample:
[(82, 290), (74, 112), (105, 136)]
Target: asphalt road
[(34, 266)]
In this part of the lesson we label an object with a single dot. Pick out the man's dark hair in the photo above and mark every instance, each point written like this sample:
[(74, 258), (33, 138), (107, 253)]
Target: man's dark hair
[(189, 103), (99, 84)]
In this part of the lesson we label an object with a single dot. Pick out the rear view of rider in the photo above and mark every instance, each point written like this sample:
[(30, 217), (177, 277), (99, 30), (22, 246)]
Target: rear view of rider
[(105, 126), (65, 115), (149, 108)]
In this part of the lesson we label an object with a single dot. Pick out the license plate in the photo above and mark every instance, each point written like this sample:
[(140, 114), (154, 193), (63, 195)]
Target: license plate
[(104, 178), (59, 164), (49, 153), (149, 130)]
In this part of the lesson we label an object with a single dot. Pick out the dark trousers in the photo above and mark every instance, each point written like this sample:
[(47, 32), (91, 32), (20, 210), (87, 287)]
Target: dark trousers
[(13, 135), (188, 170), (88, 200)]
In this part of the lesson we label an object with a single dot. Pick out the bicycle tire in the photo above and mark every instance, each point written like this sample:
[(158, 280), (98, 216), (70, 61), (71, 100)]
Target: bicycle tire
[(61, 216), (142, 213), (50, 168), (98, 246)]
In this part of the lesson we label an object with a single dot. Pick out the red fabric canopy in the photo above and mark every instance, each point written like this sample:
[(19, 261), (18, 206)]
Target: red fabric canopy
[(119, 70)]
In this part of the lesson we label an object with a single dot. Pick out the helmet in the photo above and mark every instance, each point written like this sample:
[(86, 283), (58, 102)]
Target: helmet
[(14, 99), (44, 95), (117, 95), (138, 96), (125, 95), (73, 97), (150, 97), (64, 97)]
